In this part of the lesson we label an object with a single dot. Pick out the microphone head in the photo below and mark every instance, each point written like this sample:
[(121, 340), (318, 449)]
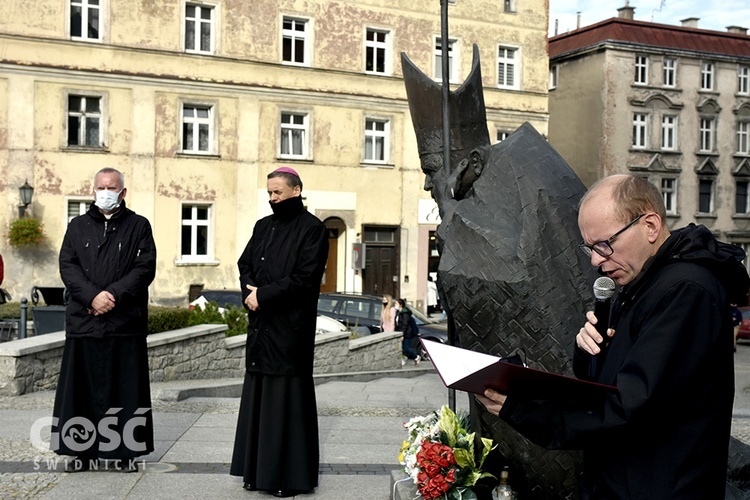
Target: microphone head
[(604, 288)]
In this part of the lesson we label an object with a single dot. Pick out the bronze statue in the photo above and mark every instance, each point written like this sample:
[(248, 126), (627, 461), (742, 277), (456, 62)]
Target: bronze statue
[(509, 271)]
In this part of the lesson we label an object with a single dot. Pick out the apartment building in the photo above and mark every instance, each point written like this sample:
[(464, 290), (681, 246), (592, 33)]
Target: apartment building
[(196, 101), (670, 103)]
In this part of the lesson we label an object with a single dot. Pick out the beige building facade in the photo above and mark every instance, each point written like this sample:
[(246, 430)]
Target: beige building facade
[(670, 103), (196, 102)]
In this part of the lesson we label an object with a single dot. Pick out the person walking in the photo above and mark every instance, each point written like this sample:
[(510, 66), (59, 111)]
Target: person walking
[(665, 432), (388, 315), (405, 323), (107, 262), (276, 447)]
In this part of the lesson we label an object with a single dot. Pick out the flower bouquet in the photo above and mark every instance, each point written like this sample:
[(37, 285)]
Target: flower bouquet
[(439, 456)]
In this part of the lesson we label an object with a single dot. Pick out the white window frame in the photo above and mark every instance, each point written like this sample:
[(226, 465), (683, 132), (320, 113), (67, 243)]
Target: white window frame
[(501, 135), (707, 75), (287, 131), (640, 131), (374, 48), (294, 35), (197, 122), (554, 75), (84, 116), (746, 209), (504, 62), (86, 10), (454, 63), (669, 194), (669, 132), (669, 72), (198, 22), (195, 224), (711, 194), (743, 79), (743, 137), (707, 134), (509, 6), (641, 70), (81, 205), (373, 137)]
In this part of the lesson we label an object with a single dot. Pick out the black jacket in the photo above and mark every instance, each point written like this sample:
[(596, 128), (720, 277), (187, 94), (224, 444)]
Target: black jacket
[(405, 323), (285, 258), (117, 255), (666, 433)]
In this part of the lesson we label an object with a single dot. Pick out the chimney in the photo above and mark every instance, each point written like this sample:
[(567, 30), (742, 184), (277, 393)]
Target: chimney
[(578, 19), (737, 29), (626, 12), (557, 22), (690, 22)]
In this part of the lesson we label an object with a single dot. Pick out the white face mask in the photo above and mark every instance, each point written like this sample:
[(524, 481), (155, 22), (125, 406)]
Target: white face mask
[(107, 200)]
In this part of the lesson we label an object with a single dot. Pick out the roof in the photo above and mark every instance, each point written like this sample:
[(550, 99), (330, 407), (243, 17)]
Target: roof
[(651, 34)]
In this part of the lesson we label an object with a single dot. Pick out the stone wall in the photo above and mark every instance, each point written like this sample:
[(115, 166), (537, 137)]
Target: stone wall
[(198, 352)]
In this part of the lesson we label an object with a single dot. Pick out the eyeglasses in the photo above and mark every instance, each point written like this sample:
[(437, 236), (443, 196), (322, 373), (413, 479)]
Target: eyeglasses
[(604, 248)]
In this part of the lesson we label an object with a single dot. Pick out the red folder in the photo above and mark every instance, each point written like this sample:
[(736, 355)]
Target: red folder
[(474, 372)]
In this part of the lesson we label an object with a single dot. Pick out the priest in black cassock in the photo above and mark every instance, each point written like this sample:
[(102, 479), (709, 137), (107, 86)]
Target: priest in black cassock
[(276, 445), (103, 399)]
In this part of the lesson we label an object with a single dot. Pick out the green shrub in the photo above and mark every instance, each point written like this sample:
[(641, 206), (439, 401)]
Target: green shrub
[(26, 232), (163, 319), (12, 310), (234, 317)]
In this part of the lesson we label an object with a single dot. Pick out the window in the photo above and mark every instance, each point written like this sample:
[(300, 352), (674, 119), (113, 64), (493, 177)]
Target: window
[(640, 130), (707, 134), (669, 193), (294, 134), (707, 76), (452, 64), (741, 198), (705, 196), (78, 207), (85, 19), (743, 133), (507, 62), (197, 128), (743, 80), (554, 73), (502, 135), (376, 140), (295, 43), (668, 132), (377, 52), (199, 28), (196, 232), (509, 5), (669, 72), (84, 121), (641, 70)]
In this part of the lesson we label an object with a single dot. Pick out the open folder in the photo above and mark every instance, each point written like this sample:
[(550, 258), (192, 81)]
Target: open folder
[(472, 371)]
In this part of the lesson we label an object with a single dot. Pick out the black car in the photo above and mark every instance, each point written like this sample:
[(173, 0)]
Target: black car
[(364, 310)]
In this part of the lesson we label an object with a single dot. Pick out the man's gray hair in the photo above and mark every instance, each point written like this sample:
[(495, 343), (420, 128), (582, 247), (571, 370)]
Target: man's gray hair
[(109, 170)]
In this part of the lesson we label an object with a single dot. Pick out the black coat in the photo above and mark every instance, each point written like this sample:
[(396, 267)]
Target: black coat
[(666, 433), (117, 255), (285, 258)]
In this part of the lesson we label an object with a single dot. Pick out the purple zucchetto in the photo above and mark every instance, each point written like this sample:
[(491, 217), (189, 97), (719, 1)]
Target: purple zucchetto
[(287, 170)]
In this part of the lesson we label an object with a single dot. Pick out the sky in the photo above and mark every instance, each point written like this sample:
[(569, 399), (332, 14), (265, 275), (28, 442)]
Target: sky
[(713, 14)]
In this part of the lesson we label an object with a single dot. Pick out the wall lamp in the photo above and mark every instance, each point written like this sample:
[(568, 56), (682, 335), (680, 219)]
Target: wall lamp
[(27, 193)]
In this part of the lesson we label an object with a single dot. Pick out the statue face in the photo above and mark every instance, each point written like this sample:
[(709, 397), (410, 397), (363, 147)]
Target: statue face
[(431, 165)]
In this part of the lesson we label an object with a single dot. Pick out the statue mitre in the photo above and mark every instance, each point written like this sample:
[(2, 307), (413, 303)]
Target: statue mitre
[(468, 119)]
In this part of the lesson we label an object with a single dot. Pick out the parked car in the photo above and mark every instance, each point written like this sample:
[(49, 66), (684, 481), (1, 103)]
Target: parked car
[(364, 310), (745, 325), (227, 298)]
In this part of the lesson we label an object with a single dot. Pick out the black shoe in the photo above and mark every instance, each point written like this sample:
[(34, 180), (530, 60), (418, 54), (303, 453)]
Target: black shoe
[(284, 493), (78, 464), (249, 487)]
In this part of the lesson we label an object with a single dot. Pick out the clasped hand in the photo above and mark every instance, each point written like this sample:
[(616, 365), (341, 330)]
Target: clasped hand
[(251, 301), (102, 303)]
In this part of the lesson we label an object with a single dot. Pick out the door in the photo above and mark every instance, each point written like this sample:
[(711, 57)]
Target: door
[(328, 284), (380, 275)]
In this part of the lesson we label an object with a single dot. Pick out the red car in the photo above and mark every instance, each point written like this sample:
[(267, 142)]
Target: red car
[(745, 325)]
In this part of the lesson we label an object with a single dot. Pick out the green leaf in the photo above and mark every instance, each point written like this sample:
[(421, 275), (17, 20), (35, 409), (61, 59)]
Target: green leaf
[(449, 425), (463, 458)]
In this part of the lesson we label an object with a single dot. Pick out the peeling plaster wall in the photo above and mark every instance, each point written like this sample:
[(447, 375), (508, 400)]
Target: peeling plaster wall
[(144, 75)]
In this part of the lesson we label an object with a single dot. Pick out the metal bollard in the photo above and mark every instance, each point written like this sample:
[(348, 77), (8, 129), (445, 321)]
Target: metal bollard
[(24, 315)]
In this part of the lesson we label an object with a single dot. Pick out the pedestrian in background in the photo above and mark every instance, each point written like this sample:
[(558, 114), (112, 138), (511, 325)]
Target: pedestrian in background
[(388, 315), (107, 262), (406, 324), (276, 446)]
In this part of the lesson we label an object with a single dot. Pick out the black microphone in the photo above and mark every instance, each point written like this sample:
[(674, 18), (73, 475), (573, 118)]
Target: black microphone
[(604, 289)]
